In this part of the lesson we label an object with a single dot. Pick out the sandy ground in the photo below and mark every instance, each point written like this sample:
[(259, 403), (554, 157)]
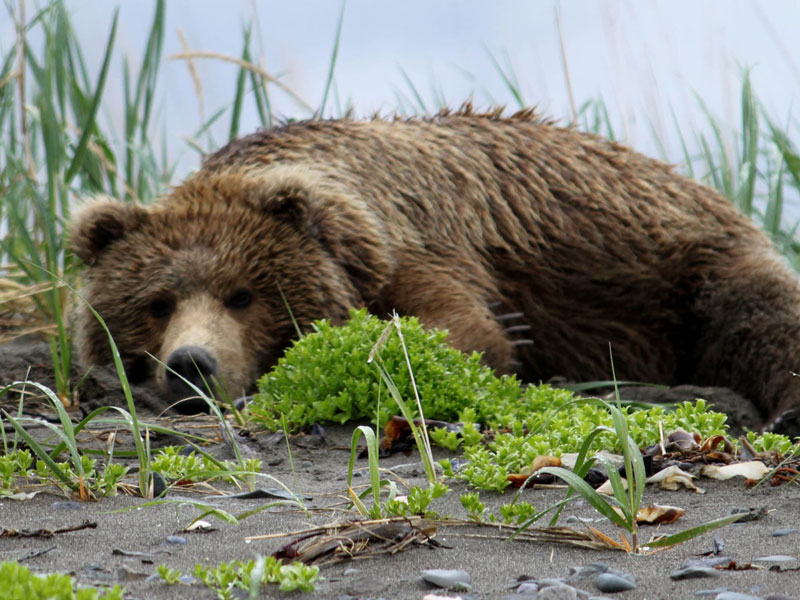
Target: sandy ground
[(125, 546)]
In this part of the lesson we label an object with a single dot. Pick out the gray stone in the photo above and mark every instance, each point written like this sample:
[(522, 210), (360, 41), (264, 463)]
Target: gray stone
[(527, 587), (693, 572), (550, 581), (609, 583), (448, 578), (558, 592), (783, 532), (176, 539)]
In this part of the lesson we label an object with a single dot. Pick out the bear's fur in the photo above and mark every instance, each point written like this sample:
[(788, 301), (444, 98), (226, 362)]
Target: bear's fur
[(460, 219)]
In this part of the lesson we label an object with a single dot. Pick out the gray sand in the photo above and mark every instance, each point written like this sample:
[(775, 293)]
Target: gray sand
[(494, 564)]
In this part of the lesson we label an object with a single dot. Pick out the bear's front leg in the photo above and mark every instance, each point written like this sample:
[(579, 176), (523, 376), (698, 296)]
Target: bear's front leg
[(455, 298)]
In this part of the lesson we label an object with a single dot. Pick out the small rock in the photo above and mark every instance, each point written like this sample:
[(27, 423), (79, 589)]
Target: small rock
[(366, 586), (527, 587), (557, 592), (714, 592), (586, 573), (775, 558), (448, 578), (778, 597), (783, 532), (351, 571), (176, 539), (409, 470), (751, 514), (65, 505), (612, 582), (693, 572), (158, 484), (710, 561), (735, 596), (550, 581)]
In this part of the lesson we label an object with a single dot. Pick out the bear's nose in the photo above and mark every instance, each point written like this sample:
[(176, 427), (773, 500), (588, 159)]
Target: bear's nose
[(193, 364)]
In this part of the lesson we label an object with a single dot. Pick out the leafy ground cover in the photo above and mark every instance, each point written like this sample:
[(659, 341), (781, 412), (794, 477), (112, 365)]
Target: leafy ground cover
[(55, 147)]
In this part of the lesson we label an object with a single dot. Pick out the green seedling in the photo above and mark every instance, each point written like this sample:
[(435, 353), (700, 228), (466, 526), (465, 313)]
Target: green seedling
[(624, 506), (231, 580), (19, 583)]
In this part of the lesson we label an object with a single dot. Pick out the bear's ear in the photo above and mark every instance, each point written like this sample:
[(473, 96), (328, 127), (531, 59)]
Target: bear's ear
[(99, 222), (333, 214), (300, 197), (292, 206)]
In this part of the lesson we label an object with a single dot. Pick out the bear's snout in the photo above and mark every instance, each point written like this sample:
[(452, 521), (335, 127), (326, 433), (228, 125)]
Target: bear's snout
[(193, 364)]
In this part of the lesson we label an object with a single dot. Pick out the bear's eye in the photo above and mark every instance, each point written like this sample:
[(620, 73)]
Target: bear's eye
[(160, 308), (239, 299)]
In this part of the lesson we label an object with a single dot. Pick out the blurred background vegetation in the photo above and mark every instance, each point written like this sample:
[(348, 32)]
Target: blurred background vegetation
[(57, 145)]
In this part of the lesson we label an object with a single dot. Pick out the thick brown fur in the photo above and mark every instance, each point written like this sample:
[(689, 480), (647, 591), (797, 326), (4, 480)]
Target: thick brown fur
[(456, 219)]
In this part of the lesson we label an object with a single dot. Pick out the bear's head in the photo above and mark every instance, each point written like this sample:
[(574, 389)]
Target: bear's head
[(214, 280)]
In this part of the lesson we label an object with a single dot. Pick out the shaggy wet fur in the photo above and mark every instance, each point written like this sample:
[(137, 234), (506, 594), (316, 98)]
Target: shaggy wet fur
[(457, 219)]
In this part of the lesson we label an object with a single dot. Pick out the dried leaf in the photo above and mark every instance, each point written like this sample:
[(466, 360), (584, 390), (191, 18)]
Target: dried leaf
[(754, 469), (658, 514), (339, 542), (672, 478)]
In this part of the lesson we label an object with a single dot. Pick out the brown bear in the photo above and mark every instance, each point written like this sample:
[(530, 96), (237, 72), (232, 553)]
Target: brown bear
[(460, 219)]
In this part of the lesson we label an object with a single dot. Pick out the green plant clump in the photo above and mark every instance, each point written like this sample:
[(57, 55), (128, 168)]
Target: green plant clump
[(227, 578), (18, 583), (326, 376)]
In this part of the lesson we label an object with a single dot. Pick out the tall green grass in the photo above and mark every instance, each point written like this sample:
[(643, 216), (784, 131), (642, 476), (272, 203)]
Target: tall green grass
[(57, 145)]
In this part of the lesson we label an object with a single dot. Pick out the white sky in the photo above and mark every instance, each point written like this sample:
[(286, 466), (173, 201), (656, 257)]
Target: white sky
[(645, 58)]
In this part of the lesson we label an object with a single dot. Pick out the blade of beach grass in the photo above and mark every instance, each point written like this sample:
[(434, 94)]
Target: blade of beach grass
[(374, 471), (719, 165), (320, 112), (749, 158), (509, 79), (89, 125), (687, 157), (238, 98), (414, 91)]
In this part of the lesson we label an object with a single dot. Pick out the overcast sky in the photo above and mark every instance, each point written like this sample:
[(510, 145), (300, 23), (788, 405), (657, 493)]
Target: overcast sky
[(645, 58)]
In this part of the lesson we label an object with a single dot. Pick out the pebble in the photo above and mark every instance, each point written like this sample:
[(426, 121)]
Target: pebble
[(611, 583), (735, 596), (549, 581), (65, 505), (783, 532), (710, 561), (176, 539), (527, 587), (778, 597), (775, 558), (366, 586), (751, 514), (448, 578), (558, 592), (587, 573), (158, 483), (693, 572), (713, 592)]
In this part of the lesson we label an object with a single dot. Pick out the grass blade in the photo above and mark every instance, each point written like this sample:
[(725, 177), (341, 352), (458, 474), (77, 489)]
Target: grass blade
[(321, 110), (89, 125), (688, 534)]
